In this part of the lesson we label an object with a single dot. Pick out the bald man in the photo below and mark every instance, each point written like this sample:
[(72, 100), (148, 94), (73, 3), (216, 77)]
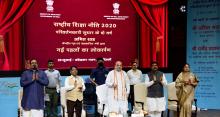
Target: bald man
[(33, 82)]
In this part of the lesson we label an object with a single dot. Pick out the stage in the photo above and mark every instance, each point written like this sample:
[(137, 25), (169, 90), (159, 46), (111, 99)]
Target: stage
[(203, 113)]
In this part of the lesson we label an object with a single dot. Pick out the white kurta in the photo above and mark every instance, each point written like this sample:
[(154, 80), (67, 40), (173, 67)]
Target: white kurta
[(117, 97), (33, 113), (155, 104), (135, 77), (101, 92)]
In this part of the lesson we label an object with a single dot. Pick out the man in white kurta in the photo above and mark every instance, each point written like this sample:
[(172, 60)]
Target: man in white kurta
[(135, 76), (118, 90), (155, 82)]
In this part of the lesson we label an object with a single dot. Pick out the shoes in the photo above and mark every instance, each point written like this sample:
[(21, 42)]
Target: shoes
[(129, 113)]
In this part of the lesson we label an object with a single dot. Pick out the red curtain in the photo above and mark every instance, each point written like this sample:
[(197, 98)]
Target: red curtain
[(11, 12), (153, 31)]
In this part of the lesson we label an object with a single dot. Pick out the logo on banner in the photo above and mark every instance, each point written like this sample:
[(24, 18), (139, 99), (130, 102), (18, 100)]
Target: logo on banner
[(116, 12), (49, 5), (50, 10), (116, 8)]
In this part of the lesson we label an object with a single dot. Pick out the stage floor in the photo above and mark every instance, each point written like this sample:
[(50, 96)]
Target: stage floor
[(203, 113), (209, 113)]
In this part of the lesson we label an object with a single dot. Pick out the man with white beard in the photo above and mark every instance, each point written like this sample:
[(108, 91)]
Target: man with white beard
[(118, 90)]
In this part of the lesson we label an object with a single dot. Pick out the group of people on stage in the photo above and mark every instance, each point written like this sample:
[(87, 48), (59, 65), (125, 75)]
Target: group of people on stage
[(120, 89)]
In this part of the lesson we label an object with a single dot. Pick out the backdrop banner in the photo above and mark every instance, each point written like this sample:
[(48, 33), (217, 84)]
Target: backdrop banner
[(203, 49)]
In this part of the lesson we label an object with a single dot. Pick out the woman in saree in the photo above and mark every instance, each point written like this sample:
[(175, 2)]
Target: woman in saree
[(186, 83)]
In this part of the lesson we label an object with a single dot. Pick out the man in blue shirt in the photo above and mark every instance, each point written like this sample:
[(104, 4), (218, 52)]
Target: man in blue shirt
[(98, 76), (33, 82)]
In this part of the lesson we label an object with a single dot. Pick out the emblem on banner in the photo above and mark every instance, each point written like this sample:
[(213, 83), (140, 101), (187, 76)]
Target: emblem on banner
[(49, 5), (116, 12), (50, 10), (116, 8)]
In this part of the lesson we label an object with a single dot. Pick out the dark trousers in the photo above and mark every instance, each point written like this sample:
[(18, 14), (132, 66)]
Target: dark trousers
[(74, 106), (51, 106), (131, 96), (96, 106)]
